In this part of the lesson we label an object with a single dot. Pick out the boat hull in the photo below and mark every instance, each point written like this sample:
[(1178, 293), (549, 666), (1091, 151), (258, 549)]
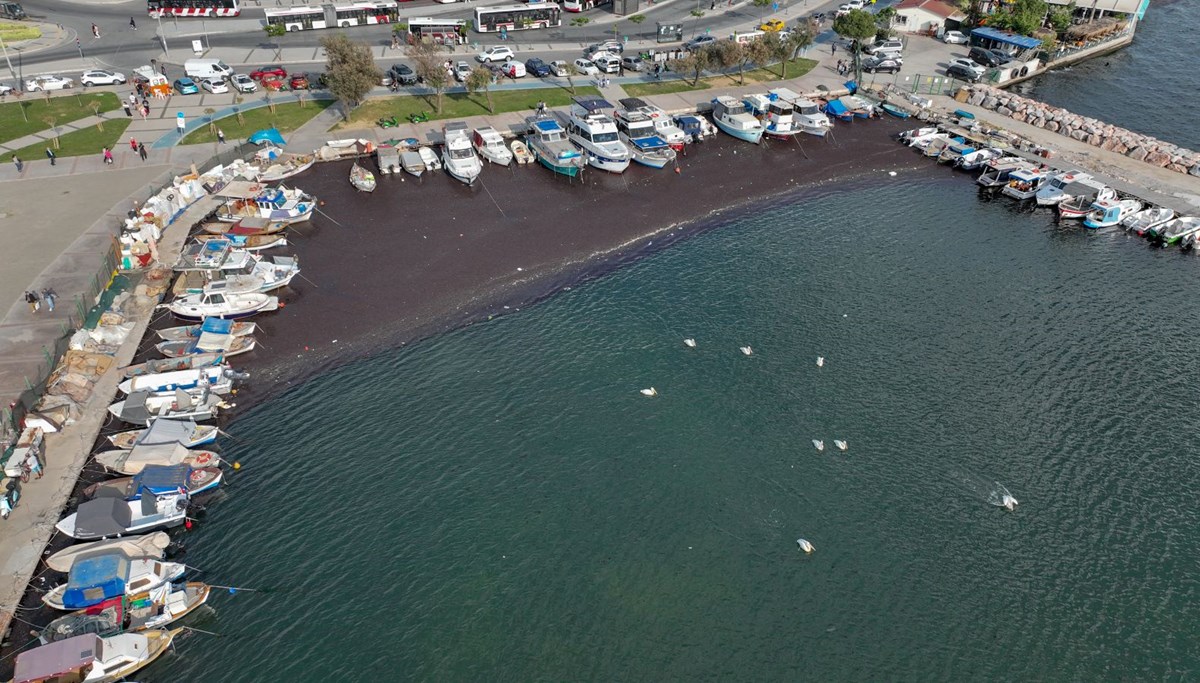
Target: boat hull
[(753, 135), (605, 164)]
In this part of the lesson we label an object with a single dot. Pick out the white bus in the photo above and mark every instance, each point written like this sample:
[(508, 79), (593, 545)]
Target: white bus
[(441, 30), (517, 17), (193, 8), (302, 18), (581, 5)]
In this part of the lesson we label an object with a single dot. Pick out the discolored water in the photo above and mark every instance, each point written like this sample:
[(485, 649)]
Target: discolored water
[(501, 503)]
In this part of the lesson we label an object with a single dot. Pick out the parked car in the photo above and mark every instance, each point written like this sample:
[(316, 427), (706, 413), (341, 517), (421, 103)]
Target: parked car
[(857, 4), (6, 89), (699, 42), (273, 83), (243, 83), (537, 67), (963, 73), (607, 63), (985, 57), (513, 69), (889, 65), (403, 74), (298, 82), (214, 85), (615, 46), (633, 64), (558, 67), (48, 83), (461, 71), (273, 70), (955, 38), (889, 45), (185, 86), (772, 25), (101, 77), (586, 67), (968, 64), (498, 53)]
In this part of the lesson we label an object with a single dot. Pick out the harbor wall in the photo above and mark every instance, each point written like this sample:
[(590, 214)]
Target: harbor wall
[(1136, 146)]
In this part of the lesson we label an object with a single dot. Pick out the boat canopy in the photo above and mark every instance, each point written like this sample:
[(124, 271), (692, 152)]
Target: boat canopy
[(57, 659), (547, 126), (134, 410), (168, 432), (632, 102), (1005, 37), (103, 517), (240, 189), (162, 479), (95, 579), (593, 105)]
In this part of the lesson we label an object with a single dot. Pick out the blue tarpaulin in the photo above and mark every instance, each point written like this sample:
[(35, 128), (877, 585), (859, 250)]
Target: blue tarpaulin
[(1005, 37), (95, 579), (216, 325), (836, 108), (162, 479), (266, 135)]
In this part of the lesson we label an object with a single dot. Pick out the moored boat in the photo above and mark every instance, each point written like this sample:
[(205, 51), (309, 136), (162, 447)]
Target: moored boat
[(412, 162), (1024, 183), (1080, 204), (1054, 190), (240, 328), (160, 479), (1147, 218), (697, 128), (996, 172), (152, 545), (595, 133), (133, 461), (216, 378), (733, 118), (112, 517), (183, 432), (549, 144), (227, 346), (362, 179), (490, 145), (273, 164), (664, 125), (98, 577), (893, 110), (130, 613), (458, 156), (973, 160), (142, 407), (91, 658), (183, 362), (775, 113), (248, 243), (1106, 213), (1175, 230), (639, 135), (387, 158), (521, 153), (252, 200), (218, 305), (250, 226)]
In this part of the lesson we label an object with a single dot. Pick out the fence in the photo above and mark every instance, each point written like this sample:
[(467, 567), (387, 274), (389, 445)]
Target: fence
[(916, 84)]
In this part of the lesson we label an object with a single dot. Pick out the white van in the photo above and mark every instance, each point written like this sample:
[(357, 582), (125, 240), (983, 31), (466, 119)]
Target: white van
[(743, 37), (206, 68)]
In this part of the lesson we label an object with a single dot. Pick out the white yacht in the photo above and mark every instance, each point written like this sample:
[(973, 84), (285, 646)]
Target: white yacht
[(595, 133), (637, 131), (777, 114), (1054, 190), (806, 113), (458, 154), (490, 145)]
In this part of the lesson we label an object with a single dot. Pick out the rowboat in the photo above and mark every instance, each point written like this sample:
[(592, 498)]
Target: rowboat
[(195, 360), (150, 545), (195, 480), (362, 179), (130, 613), (251, 226), (248, 243), (894, 110), (91, 658), (133, 461), (521, 153), (230, 346), (143, 407), (183, 432), (185, 332)]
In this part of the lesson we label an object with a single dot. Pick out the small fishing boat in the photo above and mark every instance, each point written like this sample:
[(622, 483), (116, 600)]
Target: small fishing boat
[(490, 145), (923, 142), (595, 133), (273, 164), (153, 545), (248, 243), (242, 273), (250, 226), (458, 156), (133, 461), (1080, 204), (142, 407), (196, 360), (412, 163), (92, 659), (697, 128), (1109, 212), (227, 346), (219, 305), (733, 118), (938, 145), (362, 179), (183, 432), (973, 160), (216, 378), (1191, 240), (1175, 230), (1054, 190), (98, 577), (240, 328), (775, 113), (112, 517), (893, 110), (860, 107), (387, 158), (909, 135), (160, 479), (130, 613), (430, 159), (997, 171), (638, 133), (277, 204), (1024, 183), (664, 125), (1147, 219), (549, 144), (957, 149), (521, 153), (834, 109)]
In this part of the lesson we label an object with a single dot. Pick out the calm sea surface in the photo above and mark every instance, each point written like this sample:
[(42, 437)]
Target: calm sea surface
[(1146, 87), (501, 503)]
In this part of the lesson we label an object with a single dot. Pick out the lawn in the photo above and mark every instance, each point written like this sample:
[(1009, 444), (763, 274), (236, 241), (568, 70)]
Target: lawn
[(795, 68), (64, 109), (76, 143), (662, 87), (287, 117), (461, 105), (11, 33)]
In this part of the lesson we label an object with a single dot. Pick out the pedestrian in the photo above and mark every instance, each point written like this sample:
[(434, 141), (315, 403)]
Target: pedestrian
[(17, 162), (132, 24), (220, 136), (162, 68), (142, 150), (712, 6), (139, 89), (133, 145), (133, 98), (50, 155), (145, 101), (32, 300), (180, 125), (108, 157), (144, 111), (833, 48), (128, 111), (95, 31), (49, 295)]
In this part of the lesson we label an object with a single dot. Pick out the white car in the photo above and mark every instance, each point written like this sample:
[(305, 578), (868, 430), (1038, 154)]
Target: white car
[(101, 77), (558, 67), (5, 89), (857, 4), (968, 64), (586, 67), (609, 64), (461, 71), (48, 83), (955, 38), (513, 69), (498, 53), (214, 85), (243, 83)]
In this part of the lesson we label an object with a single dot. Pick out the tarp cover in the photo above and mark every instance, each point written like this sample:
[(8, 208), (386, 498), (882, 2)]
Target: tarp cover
[(94, 579), (266, 135), (160, 479), (167, 432), (240, 189), (217, 325), (56, 659), (102, 517), (134, 410)]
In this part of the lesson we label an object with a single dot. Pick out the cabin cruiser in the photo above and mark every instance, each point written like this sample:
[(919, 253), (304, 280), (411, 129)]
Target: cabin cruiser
[(216, 304), (997, 171), (637, 131), (664, 125), (549, 144), (1054, 190), (1024, 183), (1109, 212), (805, 112), (458, 156), (217, 265), (775, 113), (490, 145), (595, 133), (973, 160), (733, 117), (250, 200)]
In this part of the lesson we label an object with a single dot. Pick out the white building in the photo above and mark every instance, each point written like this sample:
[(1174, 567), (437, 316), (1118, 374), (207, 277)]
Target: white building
[(926, 16)]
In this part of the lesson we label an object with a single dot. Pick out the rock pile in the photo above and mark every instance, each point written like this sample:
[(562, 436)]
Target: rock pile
[(1096, 133)]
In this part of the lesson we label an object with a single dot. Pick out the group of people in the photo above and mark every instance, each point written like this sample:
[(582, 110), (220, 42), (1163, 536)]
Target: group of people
[(143, 107), (137, 148), (35, 299), (843, 67)]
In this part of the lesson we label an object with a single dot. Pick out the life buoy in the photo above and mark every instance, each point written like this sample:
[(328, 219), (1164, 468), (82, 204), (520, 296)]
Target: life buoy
[(1024, 71), (255, 188)]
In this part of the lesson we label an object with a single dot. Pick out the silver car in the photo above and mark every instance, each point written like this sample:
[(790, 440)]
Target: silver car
[(101, 77)]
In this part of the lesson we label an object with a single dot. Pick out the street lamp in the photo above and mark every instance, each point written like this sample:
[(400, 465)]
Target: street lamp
[(162, 38)]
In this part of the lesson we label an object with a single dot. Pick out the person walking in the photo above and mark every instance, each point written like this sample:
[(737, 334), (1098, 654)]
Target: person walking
[(128, 111), (32, 300), (49, 295), (51, 156), (108, 157), (142, 150), (220, 136), (144, 111), (133, 145), (833, 48), (133, 98), (132, 24), (95, 31), (17, 162)]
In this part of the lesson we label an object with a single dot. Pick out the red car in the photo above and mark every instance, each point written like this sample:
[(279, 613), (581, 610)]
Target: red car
[(298, 82), (274, 70), (273, 82)]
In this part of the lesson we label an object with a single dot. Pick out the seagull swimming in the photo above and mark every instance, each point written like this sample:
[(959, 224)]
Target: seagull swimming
[(818, 444), (820, 361), (747, 350), (690, 343), (1009, 503), (805, 545), (650, 392), (840, 444)]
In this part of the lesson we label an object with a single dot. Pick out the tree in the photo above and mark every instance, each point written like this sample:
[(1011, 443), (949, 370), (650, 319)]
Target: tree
[(800, 39), (699, 14), (885, 17), (350, 70), (480, 78), (755, 52), (726, 54), (693, 62), (636, 19), (858, 26), (427, 57), (95, 105), (1060, 18), (570, 72), (208, 116), (52, 121), (275, 32), (1023, 16)]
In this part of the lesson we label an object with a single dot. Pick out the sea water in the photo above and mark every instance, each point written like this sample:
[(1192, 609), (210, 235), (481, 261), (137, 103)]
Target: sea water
[(502, 502)]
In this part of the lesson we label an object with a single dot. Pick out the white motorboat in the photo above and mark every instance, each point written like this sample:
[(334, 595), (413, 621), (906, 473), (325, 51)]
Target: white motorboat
[(235, 271), (216, 378), (521, 153), (637, 131), (100, 576), (277, 205), (775, 113), (490, 145), (1147, 219), (142, 407), (113, 517), (1178, 229), (1080, 204), (219, 305), (183, 432), (152, 545), (923, 142), (1024, 183), (92, 659), (1109, 212), (806, 113), (133, 461), (271, 164), (595, 133), (430, 159), (733, 117), (909, 135), (997, 171), (973, 160), (458, 155), (1054, 190), (664, 125)]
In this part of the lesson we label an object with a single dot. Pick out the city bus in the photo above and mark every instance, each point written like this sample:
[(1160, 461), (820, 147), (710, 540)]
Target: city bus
[(193, 8), (581, 5), (440, 31), (517, 17), (302, 18)]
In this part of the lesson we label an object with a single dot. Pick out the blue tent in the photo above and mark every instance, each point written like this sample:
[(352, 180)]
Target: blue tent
[(93, 580), (266, 135), (838, 110)]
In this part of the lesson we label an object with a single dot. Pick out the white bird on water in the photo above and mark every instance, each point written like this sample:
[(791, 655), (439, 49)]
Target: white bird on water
[(840, 444), (690, 343), (818, 444), (820, 361), (805, 545), (747, 350), (650, 392)]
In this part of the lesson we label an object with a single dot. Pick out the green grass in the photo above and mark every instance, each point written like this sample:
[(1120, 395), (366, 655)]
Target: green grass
[(76, 143), (287, 117), (662, 87), (461, 105), (11, 33), (795, 69), (64, 108)]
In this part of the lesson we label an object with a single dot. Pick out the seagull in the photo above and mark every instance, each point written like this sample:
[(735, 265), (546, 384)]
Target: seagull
[(820, 361), (650, 392), (840, 444), (690, 343), (747, 350), (818, 444), (805, 545)]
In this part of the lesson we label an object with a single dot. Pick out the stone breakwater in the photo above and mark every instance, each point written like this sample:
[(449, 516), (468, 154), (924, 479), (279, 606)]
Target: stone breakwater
[(1097, 133)]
